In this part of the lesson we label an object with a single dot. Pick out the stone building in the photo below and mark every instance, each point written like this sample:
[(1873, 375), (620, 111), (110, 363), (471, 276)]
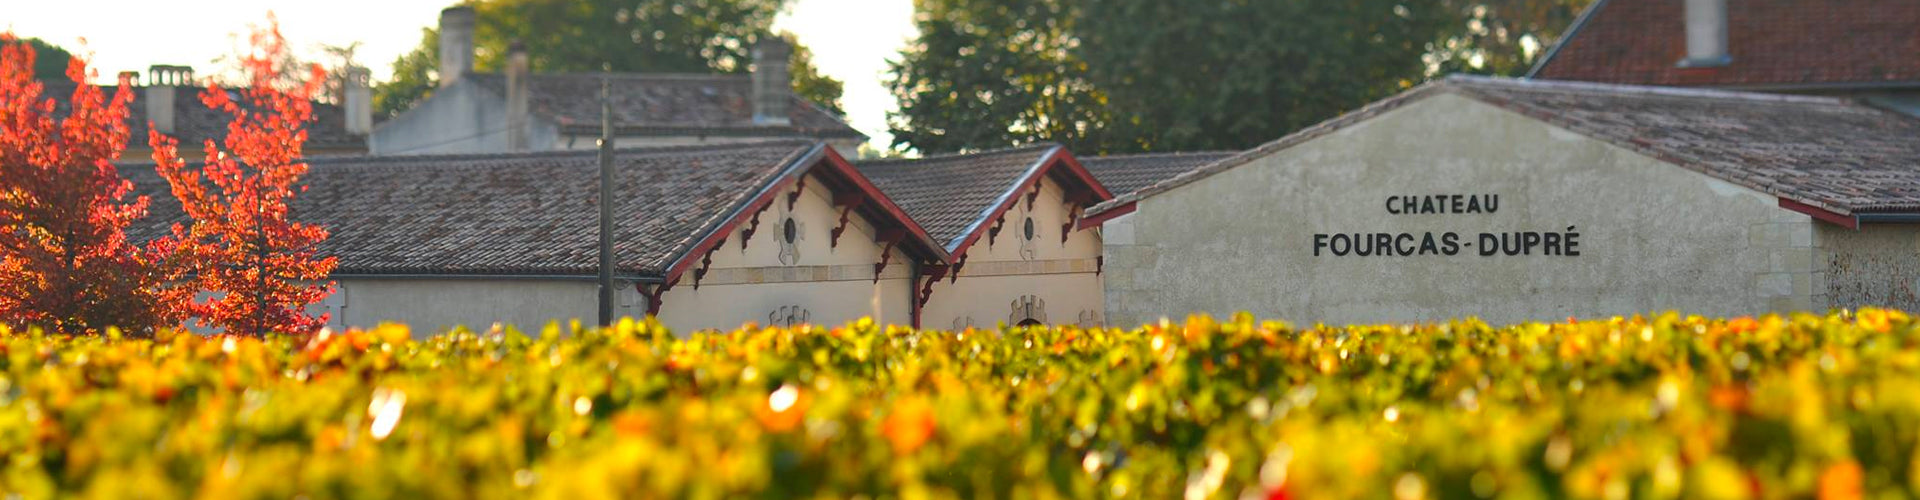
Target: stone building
[(1008, 221), (169, 98), (517, 110), (1859, 49), (1529, 200), (712, 236)]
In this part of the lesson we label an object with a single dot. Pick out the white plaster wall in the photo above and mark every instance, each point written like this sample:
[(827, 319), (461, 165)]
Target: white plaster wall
[(827, 303), (463, 118), (1008, 269), (432, 306), (832, 284), (1653, 236)]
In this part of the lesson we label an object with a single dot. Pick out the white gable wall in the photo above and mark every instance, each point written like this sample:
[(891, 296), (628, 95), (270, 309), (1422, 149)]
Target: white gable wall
[(1002, 276), (810, 280), (463, 118), (1651, 235)]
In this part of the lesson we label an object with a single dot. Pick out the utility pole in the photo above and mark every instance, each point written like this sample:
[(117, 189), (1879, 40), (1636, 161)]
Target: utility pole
[(606, 199)]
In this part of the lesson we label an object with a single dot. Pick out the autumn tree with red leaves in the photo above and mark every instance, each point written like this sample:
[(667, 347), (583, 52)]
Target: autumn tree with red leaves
[(262, 269), (65, 261)]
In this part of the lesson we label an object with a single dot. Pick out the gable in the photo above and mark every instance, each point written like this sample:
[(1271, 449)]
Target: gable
[(1829, 154)]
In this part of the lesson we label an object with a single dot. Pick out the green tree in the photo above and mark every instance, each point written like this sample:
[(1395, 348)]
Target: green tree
[(985, 75), (1503, 37), (1148, 75), (51, 63), (679, 36)]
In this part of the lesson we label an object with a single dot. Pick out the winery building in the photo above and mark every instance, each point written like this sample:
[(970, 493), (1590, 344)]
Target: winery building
[(779, 232), (518, 110), (1529, 199), (1008, 222)]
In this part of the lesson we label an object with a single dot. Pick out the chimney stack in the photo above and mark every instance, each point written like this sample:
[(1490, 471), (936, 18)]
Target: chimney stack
[(358, 102), (517, 74), (456, 44), (772, 81), (1706, 34), (163, 83)]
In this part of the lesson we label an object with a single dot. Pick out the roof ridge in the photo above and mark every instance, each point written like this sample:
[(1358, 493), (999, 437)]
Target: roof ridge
[(628, 75), (1163, 154), (1626, 89), (379, 160), (1580, 22), (1043, 145)]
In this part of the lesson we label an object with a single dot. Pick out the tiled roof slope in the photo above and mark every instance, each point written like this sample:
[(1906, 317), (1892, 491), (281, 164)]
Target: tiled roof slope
[(717, 104), (948, 195), (1124, 174), (1835, 154), (194, 122), (518, 214), (1773, 43)]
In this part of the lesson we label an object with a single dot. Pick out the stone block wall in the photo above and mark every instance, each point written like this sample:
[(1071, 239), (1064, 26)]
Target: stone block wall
[(1876, 265)]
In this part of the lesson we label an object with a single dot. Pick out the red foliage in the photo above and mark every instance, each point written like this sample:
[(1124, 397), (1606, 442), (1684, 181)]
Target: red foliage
[(263, 270), (65, 261)]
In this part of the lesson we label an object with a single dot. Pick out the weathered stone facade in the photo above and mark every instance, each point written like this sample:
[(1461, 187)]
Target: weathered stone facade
[(1651, 236), (1876, 265)]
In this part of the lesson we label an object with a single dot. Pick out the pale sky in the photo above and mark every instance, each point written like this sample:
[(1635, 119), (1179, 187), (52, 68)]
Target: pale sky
[(851, 39)]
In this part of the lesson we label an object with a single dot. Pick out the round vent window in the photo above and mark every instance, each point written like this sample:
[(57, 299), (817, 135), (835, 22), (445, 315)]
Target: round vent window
[(1029, 229), (790, 230)]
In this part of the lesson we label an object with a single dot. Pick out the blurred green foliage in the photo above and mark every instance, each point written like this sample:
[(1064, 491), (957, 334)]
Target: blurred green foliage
[(646, 36), (1121, 76), (1665, 407)]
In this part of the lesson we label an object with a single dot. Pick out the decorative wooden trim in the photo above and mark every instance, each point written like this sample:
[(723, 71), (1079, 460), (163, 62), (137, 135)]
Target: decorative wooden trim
[(1073, 218), (847, 202), (706, 263), (1101, 218), (1821, 213), (799, 186), (957, 265), (994, 232), (1035, 193), (752, 226), (890, 237), (934, 273), (653, 298)]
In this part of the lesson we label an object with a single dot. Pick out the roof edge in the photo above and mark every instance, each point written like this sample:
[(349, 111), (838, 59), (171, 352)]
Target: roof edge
[(887, 205), (1633, 89), (1315, 131), (706, 239), (966, 237), (1565, 38)]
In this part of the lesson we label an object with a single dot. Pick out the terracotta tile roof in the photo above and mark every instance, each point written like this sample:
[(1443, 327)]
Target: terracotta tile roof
[(1124, 174), (1830, 153), (1773, 43), (194, 122), (665, 103), (951, 195), (518, 214)]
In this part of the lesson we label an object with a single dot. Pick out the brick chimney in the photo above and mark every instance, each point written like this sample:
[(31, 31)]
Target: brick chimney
[(772, 81), (456, 44), (163, 87), (358, 101), (1706, 34), (517, 74)]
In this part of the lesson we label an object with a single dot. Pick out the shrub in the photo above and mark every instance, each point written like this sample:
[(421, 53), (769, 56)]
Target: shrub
[(1663, 407)]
